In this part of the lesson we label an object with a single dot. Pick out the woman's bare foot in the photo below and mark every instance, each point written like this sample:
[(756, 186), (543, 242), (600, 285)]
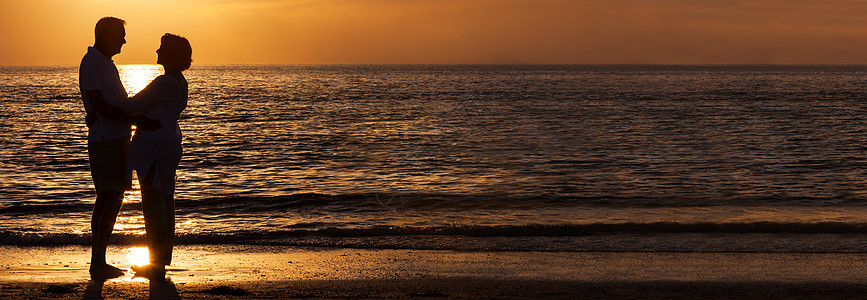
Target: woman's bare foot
[(150, 271), (105, 271)]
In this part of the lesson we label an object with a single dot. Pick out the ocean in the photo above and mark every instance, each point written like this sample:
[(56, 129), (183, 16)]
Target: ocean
[(468, 157)]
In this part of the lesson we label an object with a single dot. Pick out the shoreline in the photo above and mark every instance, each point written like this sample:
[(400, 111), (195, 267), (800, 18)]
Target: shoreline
[(241, 271)]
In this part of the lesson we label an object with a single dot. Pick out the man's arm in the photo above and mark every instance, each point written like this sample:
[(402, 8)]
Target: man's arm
[(100, 106)]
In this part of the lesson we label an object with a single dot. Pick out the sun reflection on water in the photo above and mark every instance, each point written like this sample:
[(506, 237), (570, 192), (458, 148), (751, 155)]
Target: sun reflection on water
[(136, 77)]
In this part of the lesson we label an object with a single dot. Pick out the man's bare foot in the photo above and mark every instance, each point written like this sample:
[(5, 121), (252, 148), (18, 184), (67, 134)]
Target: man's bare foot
[(151, 271), (105, 271)]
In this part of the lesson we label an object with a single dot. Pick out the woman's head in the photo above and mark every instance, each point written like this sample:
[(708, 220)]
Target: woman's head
[(175, 52)]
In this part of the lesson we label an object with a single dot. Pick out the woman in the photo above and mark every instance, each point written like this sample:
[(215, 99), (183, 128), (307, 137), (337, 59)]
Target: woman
[(155, 154)]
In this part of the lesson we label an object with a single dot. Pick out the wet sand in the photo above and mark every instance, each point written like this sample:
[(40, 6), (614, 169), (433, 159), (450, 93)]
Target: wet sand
[(238, 271)]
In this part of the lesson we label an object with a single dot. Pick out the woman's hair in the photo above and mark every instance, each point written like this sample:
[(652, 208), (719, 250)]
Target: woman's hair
[(179, 48)]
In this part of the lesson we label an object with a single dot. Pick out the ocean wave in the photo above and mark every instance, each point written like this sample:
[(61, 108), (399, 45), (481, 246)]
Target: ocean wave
[(256, 206), (66, 201), (304, 236), (460, 201), (357, 202), (25, 208)]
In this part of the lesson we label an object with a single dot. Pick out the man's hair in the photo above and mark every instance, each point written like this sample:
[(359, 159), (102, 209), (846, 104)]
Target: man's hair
[(179, 47), (106, 26)]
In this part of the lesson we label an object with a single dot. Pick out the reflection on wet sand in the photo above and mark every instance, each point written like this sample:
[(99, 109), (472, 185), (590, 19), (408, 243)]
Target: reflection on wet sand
[(157, 289)]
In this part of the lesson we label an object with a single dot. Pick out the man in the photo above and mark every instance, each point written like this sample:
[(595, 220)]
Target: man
[(108, 136)]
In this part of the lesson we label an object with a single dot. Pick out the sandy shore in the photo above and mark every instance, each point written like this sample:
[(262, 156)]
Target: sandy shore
[(231, 271)]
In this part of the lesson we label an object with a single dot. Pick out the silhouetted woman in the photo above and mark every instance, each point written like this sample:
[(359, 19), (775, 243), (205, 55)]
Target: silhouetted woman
[(155, 154)]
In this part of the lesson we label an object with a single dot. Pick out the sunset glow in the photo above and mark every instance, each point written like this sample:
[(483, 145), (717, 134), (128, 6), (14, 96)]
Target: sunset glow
[(50, 32), (136, 77)]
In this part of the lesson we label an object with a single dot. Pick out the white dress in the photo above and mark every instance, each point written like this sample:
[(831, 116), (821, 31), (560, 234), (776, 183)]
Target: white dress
[(163, 100)]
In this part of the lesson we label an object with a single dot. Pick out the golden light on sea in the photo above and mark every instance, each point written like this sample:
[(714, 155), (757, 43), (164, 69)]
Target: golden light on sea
[(136, 77)]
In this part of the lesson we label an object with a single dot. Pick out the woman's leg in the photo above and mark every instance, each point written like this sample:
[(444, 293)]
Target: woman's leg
[(159, 216)]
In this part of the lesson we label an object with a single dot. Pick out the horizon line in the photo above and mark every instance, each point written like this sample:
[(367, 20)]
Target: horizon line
[(468, 64)]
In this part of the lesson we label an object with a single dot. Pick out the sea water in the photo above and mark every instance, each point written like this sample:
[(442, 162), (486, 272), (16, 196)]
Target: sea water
[(469, 157)]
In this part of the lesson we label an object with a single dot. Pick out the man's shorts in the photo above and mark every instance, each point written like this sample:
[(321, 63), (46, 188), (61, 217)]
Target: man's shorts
[(108, 164)]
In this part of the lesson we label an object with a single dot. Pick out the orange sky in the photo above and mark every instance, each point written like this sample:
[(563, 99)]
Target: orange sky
[(56, 32)]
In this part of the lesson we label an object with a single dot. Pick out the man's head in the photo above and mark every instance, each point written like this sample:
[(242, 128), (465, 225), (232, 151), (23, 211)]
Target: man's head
[(110, 35)]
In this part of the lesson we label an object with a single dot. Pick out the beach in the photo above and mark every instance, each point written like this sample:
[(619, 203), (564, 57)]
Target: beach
[(247, 271)]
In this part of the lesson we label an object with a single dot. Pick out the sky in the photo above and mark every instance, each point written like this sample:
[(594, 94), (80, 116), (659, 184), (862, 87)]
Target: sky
[(57, 32)]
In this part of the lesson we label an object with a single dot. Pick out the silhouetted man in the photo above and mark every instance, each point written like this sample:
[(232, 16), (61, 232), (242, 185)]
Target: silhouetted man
[(108, 136)]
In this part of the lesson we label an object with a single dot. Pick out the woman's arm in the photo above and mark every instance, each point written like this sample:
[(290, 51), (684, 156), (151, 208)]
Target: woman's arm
[(100, 106), (151, 95)]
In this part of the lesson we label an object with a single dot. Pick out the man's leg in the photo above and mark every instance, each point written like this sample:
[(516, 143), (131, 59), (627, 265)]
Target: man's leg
[(108, 169), (105, 212)]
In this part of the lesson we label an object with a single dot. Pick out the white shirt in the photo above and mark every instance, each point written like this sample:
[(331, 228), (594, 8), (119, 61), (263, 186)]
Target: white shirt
[(98, 72)]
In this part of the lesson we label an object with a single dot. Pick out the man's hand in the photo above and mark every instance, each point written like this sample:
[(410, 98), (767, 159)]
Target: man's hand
[(145, 123), (90, 119)]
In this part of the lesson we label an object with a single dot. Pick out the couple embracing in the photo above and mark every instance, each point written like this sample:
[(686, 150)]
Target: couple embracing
[(153, 153)]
